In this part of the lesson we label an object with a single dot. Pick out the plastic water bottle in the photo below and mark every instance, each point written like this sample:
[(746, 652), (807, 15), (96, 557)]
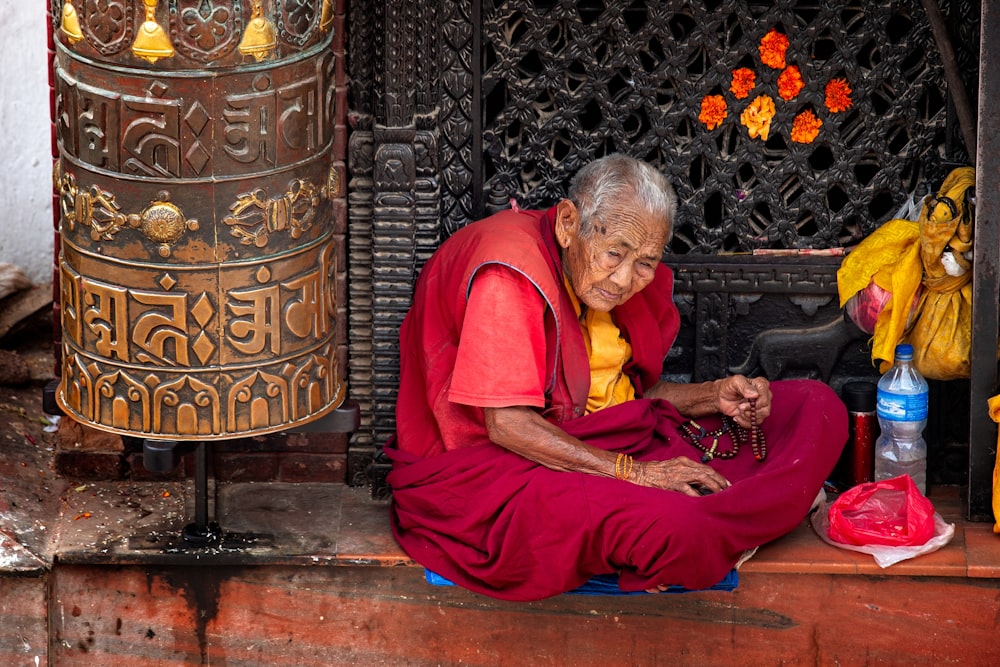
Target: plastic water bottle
[(902, 414)]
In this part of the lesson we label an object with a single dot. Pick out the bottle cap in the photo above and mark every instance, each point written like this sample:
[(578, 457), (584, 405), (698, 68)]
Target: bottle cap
[(904, 351), (859, 396)]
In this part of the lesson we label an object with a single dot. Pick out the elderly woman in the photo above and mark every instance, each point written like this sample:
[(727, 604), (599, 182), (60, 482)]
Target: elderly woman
[(536, 444)]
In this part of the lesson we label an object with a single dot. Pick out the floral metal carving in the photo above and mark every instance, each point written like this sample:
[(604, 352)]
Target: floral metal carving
[(205, 30), (459, 156), (255, 216), (216, 33), (185, 406), (171, 328), (107, 25), (161, 222), (297, 20), (201, 352)]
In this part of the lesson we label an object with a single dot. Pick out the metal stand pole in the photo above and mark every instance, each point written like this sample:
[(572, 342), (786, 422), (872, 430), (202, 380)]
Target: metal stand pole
[(201, 532)]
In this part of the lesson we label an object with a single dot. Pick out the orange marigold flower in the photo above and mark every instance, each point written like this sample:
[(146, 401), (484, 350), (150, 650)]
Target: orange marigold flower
[(773, 46), (757, 117), (838, 95), (744, 79), (713, 111), (805, 127), (790, 82)]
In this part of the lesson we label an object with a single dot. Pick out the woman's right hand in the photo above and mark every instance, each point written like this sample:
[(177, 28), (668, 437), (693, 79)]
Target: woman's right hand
[(679, 474)]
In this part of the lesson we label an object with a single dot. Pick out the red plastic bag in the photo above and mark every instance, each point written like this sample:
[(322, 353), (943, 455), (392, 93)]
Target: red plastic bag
[(890, 512)]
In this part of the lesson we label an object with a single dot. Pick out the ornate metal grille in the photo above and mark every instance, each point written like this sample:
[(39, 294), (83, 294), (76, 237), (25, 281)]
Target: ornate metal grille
[(564, 82)]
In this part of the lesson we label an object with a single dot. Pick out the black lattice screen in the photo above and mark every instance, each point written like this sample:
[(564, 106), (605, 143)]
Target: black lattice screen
[(564, 82)]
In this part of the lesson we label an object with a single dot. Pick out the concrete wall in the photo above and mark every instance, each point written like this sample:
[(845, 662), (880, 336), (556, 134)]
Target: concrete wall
[(26, 231)]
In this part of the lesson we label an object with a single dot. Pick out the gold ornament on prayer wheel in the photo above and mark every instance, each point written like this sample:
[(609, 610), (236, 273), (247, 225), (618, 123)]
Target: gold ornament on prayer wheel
[(197, 245), (70, 24), (258, 38), (152, 42)]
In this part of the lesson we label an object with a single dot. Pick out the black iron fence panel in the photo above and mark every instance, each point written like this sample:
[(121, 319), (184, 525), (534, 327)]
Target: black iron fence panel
[(786, 124)]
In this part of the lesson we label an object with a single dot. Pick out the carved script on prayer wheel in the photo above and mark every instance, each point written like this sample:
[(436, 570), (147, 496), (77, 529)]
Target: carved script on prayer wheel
[(197, 260)]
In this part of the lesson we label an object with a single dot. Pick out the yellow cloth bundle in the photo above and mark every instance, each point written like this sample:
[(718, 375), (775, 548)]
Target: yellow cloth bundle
[(994, 405), (889, 257), (942, 336), (902, 257)]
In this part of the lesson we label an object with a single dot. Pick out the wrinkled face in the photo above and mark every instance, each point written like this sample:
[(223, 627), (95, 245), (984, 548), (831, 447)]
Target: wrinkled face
[(616, 260)]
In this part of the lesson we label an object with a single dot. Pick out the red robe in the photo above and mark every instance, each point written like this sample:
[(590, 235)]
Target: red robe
[(495, 522)]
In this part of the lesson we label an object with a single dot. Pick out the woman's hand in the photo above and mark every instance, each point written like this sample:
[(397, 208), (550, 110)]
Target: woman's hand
[(679, 474), (734, 394), (523, 431)]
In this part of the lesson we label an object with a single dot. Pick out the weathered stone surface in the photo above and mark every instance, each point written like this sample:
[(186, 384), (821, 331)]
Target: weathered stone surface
[(23, 621), (77, 437), (344, 615), (18, 307), (91, 466), (14, 369)]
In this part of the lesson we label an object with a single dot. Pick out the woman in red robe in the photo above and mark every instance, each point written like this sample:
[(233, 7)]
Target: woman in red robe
[(536, 444)]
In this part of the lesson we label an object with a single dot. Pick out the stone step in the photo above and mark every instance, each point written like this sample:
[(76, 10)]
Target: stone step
[(325, 584)]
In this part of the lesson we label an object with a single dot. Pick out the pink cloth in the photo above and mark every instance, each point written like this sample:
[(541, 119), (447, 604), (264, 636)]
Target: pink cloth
[(496, 523)]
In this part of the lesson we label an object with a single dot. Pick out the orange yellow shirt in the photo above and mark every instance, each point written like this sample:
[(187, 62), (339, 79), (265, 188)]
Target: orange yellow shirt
[(608, 353)]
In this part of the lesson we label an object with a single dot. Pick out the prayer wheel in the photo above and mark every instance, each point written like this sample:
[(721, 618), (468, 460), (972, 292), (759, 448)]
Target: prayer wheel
[(197, 253)]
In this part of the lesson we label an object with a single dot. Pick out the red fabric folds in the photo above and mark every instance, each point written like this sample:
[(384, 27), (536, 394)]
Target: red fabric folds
[(496, 523)]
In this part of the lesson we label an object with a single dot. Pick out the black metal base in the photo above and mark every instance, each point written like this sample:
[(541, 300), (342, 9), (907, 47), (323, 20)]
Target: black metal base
[(49, 404), (204, 533), (208, 535), (160, 455), (191, 542), (345, 418)]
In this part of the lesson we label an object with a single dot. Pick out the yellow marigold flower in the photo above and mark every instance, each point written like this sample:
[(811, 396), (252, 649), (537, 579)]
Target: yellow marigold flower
[(790, 83), (713, 111), (805, 127), (838, 95), (773, 46), (757, 117), (744, 79)]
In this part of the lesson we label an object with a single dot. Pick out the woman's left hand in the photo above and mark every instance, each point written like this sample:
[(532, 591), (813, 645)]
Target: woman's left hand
[(735, 392)]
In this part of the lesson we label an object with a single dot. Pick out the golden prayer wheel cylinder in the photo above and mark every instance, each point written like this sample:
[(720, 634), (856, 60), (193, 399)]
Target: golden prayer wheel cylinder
[(197, 260)]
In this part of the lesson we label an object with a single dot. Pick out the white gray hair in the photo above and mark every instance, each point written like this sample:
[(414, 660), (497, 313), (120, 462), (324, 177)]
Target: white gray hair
[(607, 182)]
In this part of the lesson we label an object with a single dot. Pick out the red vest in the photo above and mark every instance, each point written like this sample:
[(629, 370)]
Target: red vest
[(525, 242)]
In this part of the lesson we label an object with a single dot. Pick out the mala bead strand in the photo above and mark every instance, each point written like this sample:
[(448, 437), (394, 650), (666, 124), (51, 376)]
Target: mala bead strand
[(757, 442), (702, 434), (696, 434), (758, 445)]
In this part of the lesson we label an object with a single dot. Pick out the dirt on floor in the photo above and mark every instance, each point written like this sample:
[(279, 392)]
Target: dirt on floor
[(30, 490)]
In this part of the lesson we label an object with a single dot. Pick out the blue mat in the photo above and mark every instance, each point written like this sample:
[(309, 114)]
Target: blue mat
[(607, 584)]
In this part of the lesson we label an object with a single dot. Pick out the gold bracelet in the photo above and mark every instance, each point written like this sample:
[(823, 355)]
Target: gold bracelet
[(623, 466)]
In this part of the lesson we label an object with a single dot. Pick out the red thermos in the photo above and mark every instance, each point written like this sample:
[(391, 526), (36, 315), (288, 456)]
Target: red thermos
[(858, 459)]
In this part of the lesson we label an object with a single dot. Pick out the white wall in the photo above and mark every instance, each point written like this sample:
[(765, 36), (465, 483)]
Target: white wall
[(26, 164)]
